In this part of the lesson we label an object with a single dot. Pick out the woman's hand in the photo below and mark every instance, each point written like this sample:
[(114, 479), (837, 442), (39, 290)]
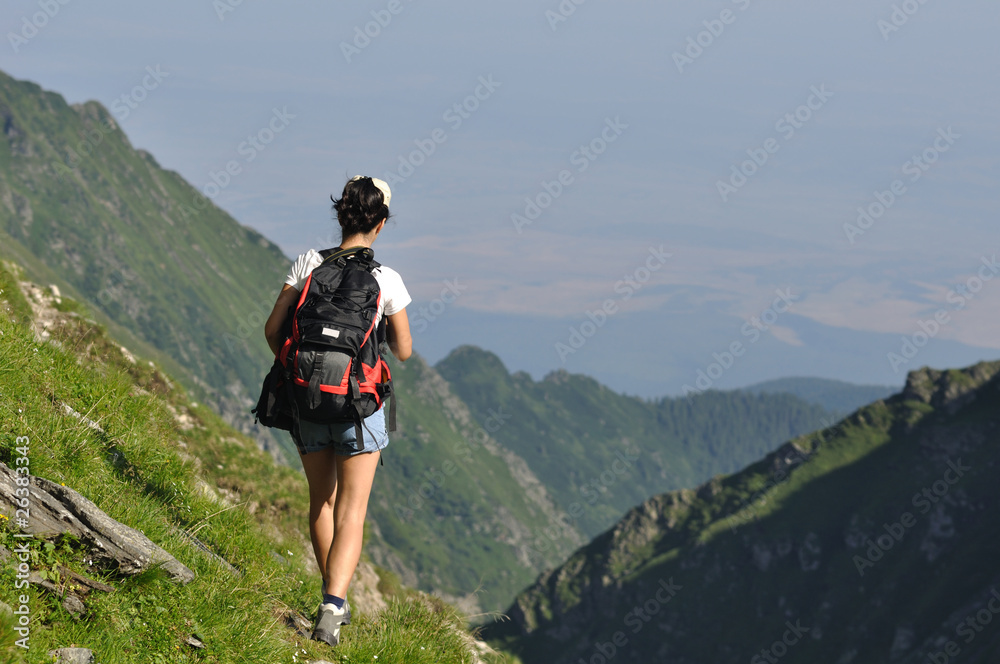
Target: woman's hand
[(398, 335), (272, 328)]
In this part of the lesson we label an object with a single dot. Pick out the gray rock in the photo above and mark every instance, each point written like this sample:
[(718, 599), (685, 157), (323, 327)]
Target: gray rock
[(57, 509), (72, 656), (73, 604)]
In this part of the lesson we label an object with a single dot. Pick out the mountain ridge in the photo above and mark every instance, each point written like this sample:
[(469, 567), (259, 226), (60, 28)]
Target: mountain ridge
[(800, 536), (624, 449)]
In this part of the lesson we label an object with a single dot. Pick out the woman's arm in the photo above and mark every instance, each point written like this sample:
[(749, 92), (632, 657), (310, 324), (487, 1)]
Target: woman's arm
[(398, 335), (272, 328)]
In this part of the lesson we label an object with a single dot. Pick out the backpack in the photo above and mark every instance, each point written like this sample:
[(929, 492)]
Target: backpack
[(329, 368)]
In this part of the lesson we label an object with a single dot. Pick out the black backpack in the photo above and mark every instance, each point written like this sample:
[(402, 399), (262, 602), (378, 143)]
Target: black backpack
[(329, 368)]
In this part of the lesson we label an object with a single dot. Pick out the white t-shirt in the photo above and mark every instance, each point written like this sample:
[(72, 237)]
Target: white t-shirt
[(394, 294)]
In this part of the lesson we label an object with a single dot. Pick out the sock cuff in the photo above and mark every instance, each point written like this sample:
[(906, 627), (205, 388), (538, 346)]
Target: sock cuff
[(333, 599)]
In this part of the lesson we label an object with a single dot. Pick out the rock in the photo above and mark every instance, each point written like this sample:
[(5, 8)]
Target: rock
[(57, 510), (72, 656), (195, 643), (68, 410), (73, 605), (299, 623), (950, 390), (365, 594)]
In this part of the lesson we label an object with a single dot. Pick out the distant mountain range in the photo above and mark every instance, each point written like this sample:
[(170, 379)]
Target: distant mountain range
[(871, 541), (599, 453), (834, 395)]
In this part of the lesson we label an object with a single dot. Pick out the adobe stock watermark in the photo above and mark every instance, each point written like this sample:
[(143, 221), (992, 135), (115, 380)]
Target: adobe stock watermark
[(248, 325), (22, 513), (635, 620), (562, 12), (363, 36), (792, 635), (626, 288), (697, 45), (958, 298), (899, 17), (123, 106), (249, 149), (31, 26), (84, 149), (223, 7), (747, 511), (923, 500), (590, 490), (427, 315), (455, 116), (114, 287), (968, 629), (915, 167), (433, 479), (751, 329), (786, 126), (580, 159)]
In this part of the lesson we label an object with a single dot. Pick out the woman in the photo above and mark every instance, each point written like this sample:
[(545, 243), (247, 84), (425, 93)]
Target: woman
[(340, 472)]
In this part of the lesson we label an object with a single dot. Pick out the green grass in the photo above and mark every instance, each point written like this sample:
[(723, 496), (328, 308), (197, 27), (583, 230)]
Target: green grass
[(148, 472), (13, 301), (414, 632)]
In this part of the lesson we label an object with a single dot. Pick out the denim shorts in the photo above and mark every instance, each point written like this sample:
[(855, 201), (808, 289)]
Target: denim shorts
[(340, 436)]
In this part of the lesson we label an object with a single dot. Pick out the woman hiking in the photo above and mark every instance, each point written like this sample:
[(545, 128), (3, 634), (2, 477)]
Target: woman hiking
[(340, 470)]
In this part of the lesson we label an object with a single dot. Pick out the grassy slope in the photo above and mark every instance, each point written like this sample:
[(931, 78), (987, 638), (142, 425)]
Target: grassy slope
[(570, 429), (790, 555), (150, 473)]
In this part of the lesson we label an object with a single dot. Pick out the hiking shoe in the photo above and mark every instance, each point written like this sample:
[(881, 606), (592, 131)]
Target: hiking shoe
[(328, 621)]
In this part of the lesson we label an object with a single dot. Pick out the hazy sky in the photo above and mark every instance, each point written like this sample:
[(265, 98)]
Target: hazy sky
[(607, 129)]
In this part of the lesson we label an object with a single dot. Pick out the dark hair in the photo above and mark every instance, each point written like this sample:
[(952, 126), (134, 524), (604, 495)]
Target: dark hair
[(360, 208)]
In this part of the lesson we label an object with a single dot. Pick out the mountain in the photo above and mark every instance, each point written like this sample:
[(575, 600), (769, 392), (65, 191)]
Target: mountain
[(81, 207), (871, 541), (600, 453), (834, 395)]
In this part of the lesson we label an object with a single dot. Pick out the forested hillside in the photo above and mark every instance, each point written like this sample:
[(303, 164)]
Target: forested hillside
[(871, 541), (834, 395), (599, 453)]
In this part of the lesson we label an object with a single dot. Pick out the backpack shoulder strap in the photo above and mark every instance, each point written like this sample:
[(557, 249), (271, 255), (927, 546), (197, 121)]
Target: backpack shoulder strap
[(336, 252), (364, 254)]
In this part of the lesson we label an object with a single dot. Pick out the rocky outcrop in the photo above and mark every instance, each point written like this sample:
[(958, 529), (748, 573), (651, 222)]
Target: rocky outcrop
[(55, 510), (950, 389), (821, 543)]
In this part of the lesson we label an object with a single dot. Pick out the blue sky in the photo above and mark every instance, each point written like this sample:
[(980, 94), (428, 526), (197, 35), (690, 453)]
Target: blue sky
[(833, 104)]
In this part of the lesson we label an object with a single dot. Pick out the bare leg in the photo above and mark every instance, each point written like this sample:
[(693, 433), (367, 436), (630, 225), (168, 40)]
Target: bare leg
[(321, 471), (355, 475)]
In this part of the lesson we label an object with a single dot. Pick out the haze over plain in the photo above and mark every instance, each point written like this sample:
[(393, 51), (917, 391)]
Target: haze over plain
[(553, 161)]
